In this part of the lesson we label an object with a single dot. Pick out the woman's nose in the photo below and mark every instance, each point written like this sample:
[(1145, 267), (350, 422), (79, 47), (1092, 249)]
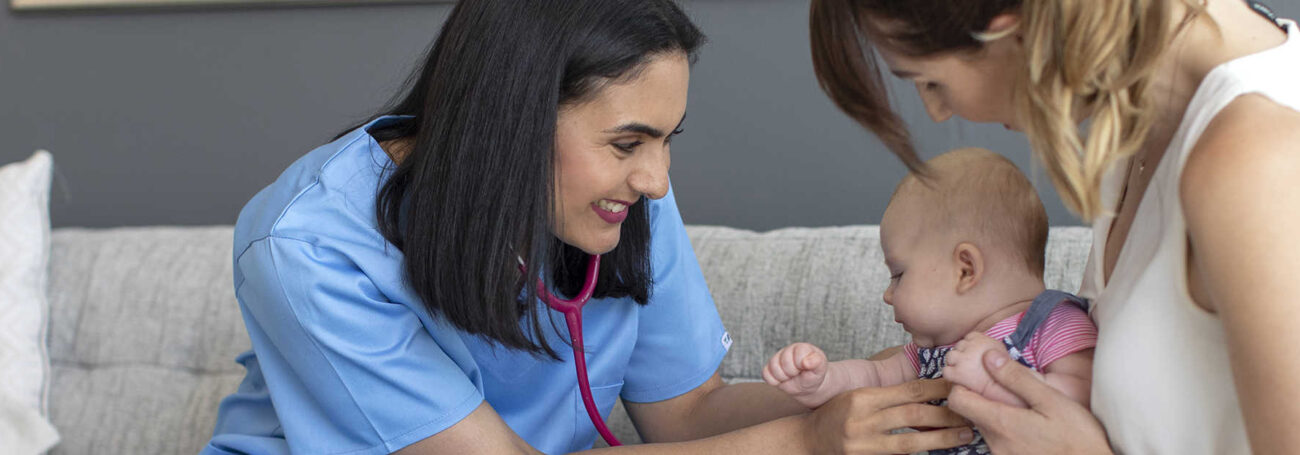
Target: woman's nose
[(650, 177), (934, 105)]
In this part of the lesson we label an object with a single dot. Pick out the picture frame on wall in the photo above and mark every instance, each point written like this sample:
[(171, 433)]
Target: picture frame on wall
[(28, 5)]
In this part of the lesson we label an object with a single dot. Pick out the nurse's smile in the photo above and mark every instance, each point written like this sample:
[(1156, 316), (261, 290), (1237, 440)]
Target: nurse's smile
[(613, 212)]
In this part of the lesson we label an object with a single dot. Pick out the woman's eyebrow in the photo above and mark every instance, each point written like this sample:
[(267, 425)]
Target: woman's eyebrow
[(904, 74)]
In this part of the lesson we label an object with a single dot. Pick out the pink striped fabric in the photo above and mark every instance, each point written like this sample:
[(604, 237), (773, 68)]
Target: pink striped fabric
[(1067, 330)]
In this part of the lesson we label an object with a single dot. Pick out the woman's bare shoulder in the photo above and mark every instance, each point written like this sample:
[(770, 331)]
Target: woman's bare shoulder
[(1249, 150)]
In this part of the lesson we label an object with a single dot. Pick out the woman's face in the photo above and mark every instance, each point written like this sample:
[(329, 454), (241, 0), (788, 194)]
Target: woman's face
[(613, 149), (978, 87)]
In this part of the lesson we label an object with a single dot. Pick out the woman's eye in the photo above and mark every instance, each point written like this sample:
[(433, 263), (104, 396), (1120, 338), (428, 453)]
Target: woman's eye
[(932, 86), (627, 147)]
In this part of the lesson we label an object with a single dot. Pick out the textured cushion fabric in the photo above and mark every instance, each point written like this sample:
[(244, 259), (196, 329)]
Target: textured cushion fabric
[(143, 336), (24, 258), (145, 326)]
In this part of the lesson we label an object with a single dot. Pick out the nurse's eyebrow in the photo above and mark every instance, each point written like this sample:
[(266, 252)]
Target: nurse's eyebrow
[(642, 128)]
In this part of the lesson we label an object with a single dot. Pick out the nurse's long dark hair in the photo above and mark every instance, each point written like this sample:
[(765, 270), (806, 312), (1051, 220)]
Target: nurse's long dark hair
[(477, 187)]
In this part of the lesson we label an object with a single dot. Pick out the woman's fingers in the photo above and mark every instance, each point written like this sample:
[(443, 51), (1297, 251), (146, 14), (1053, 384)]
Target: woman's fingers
[(914, 415), (987, 414), (919, 391), (922, 441), (1021, 381)]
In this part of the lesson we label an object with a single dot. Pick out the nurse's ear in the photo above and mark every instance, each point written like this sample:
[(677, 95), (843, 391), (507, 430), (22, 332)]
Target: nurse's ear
[(969, 261)]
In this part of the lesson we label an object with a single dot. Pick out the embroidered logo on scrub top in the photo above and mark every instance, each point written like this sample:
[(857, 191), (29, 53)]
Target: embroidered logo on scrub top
[(726, 340)]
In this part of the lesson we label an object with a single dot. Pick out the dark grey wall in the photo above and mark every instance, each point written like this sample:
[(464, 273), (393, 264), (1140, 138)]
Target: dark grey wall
[(178, 117)]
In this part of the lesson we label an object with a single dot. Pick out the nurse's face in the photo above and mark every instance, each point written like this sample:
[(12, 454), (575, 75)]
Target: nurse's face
[(613, 149)]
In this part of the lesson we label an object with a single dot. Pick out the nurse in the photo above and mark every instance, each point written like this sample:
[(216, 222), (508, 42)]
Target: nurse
[(380, 276)]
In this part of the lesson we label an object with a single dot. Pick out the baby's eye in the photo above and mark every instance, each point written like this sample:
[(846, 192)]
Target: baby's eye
[(896, 276)]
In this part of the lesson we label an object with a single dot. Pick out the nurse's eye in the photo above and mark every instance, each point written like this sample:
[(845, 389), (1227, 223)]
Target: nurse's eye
[(932, 86), (628, 147)]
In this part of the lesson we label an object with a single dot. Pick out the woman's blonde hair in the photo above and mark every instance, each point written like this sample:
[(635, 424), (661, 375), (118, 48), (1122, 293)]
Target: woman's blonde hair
[(1090, 59)]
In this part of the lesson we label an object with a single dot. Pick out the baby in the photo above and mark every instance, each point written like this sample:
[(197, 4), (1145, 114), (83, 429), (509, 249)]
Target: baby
[(965, 250)]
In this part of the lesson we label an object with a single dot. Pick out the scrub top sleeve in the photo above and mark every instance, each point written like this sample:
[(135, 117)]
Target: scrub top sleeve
[(347, 370), (680, 338)]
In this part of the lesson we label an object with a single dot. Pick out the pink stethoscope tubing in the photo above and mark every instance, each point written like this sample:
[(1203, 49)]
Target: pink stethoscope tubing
[(572, 310)]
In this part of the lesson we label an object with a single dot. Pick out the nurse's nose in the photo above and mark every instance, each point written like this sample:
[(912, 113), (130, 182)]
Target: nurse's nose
[(650, 176), (934, 105)]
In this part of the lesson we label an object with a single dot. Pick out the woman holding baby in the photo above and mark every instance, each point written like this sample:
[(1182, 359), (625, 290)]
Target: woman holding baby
[(1174, 127)]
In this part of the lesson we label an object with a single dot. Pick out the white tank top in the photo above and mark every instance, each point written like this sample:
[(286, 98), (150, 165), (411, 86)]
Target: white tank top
[(1162, 383)]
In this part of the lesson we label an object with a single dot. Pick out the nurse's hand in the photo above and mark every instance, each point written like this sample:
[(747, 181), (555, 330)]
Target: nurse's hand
[(860, 421), (1053, 423)]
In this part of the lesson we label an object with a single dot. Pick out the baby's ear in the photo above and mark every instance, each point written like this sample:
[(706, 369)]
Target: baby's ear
[(969, 261)]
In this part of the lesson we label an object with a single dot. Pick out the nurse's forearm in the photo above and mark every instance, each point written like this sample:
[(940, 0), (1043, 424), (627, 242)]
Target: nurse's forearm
[(786, 435), (712, 408)]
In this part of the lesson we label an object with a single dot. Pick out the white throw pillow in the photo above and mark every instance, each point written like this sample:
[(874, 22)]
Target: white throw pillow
[(24, 309)]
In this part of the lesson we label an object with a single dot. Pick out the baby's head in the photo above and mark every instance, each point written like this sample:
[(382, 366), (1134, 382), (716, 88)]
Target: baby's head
[(959, 242)]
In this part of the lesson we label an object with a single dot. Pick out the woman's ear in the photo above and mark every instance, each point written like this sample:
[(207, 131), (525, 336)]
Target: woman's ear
[(970, 266)]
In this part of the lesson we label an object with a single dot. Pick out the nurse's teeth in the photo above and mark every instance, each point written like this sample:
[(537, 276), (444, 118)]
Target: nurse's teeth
[(611, 206)]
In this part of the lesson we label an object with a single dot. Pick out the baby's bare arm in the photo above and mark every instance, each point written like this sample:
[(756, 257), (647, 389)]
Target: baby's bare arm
[(1072, 375), (856, 373)]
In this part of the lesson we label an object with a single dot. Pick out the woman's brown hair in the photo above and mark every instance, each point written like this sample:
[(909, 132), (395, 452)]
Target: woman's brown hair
[(1088, 59)]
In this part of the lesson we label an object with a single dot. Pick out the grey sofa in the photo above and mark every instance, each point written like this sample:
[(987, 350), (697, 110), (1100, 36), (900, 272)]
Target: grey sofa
[(145, 327)]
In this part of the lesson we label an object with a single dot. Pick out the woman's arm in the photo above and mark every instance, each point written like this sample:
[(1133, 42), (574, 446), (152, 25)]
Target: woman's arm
[(1241, 196)]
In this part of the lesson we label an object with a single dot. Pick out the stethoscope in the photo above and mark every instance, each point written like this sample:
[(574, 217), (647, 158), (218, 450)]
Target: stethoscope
[(572, 310)]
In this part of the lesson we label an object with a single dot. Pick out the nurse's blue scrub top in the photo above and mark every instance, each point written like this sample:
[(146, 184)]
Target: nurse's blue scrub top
[(346, 360)]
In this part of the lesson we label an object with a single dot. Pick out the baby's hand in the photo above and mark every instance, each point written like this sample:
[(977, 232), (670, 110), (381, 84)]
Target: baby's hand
[(964, 365), (799, 370)]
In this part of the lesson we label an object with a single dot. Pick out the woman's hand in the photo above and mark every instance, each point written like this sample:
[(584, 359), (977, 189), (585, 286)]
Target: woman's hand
[(1053, 423), (860, 421)]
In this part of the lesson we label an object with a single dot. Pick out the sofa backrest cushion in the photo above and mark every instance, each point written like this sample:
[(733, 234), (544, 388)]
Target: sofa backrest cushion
[(145, 327), (143, 336)]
